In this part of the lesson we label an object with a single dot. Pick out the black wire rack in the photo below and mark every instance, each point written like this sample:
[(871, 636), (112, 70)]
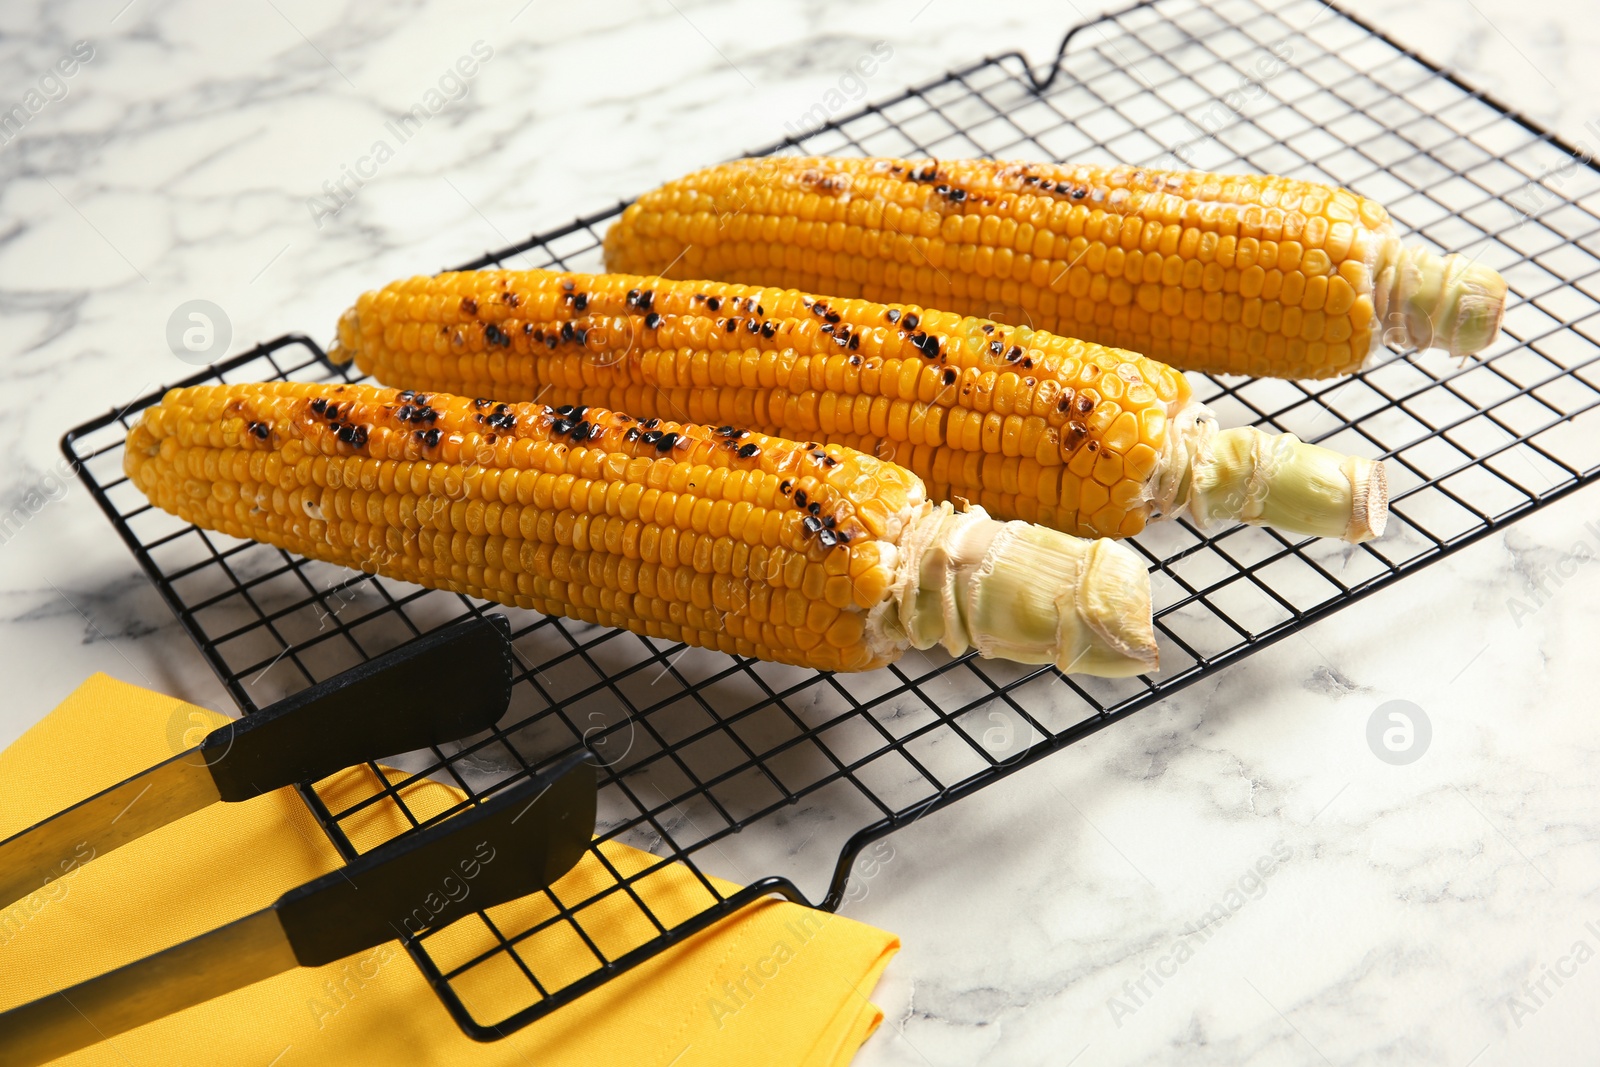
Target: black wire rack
[(697, 747)]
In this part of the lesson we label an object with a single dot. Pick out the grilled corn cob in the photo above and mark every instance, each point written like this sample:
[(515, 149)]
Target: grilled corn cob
[(1227, 274), (820, 557), (1081, 438)]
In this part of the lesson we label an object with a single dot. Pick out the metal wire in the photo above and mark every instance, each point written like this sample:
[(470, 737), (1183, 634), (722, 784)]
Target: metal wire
[(697, 746)]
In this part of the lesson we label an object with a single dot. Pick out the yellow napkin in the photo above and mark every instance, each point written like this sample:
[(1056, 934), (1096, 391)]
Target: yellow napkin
[(774, 984)]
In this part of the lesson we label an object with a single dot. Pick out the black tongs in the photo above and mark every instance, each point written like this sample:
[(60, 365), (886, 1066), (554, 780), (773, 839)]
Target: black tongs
[(441, 687)]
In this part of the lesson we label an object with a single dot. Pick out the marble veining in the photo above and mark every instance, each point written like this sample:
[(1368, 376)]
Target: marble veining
[(1432, 913)]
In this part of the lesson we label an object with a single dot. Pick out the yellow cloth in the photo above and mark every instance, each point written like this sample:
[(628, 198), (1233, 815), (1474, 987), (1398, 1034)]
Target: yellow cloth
[(703, 1002)]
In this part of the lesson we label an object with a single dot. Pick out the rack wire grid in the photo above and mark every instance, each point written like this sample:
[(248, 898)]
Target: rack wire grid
[(696, 746)]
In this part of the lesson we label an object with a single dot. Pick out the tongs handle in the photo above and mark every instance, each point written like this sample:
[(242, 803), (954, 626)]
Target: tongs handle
[(513, 844)]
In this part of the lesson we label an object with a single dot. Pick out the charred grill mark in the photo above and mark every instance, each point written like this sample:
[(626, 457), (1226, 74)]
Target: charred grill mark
[(925, 343), (830, 184), (354, 436), (1065, 188), (417, 412)]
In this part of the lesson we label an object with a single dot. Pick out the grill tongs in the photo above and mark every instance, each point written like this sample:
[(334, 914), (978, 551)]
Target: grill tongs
[(442, 687)]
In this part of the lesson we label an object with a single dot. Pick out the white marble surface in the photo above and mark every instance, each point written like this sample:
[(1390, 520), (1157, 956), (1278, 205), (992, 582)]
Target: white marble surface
[(1405, 905)]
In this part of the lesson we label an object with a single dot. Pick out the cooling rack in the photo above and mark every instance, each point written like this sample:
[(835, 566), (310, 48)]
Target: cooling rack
[(696, 746)]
